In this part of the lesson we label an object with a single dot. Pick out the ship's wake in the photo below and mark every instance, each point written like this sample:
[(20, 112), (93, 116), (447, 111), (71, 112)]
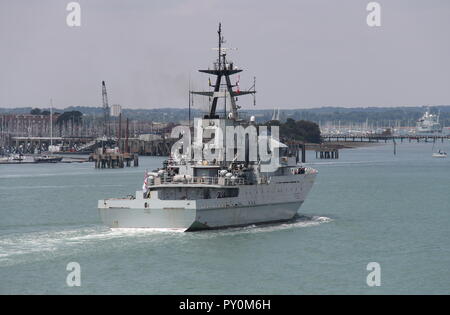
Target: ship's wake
[(51, 243), (300, 221), (17, 247)]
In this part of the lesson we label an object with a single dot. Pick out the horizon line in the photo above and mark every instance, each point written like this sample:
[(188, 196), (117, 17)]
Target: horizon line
[(243, 110)]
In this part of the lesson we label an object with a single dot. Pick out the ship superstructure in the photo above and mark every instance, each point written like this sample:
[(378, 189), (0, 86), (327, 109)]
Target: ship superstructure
[(206, 183)]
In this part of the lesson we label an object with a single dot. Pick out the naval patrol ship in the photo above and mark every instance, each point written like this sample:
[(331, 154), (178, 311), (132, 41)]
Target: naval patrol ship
[(225, 179)]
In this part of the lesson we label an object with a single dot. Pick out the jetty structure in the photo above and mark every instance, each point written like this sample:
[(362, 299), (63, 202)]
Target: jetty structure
[(117, 156), (208, 186), (376, 138), (113, 158)]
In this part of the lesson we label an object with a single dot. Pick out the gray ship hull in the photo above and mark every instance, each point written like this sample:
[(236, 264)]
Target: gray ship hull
[(192, 220), (148, 218), (257, 204)]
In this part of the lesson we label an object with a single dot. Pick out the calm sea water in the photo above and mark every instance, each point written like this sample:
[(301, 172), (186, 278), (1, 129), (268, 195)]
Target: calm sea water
[(368, 206)]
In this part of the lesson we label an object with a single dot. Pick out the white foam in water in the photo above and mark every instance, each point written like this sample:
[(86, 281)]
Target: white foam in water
[(59, 242), (125, 232), (53, 241), (300, 222)]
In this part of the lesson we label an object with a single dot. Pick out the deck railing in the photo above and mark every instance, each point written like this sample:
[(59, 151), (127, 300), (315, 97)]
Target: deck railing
[(205, 180)]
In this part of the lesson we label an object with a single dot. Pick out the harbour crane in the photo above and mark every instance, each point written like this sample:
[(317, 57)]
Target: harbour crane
[(105, 110)]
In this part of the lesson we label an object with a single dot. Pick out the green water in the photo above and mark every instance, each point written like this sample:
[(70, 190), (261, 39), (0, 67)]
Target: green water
[(368, 206)]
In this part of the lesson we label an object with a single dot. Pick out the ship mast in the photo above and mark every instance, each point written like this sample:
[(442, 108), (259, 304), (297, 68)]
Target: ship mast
[(223, 69)]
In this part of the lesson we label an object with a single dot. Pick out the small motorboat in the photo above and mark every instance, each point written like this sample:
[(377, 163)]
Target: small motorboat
[(439, 154), (16, 157), (47, 159)]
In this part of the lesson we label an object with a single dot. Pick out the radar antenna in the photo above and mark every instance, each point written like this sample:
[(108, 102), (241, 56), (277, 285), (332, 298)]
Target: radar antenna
[(223, 68)]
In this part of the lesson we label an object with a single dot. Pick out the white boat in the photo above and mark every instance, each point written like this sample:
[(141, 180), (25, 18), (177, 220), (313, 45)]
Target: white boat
[(428, 125), (439, 154), (47, 159), (12, 158)]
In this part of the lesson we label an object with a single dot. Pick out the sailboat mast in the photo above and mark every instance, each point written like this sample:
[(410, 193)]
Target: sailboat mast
[(51, 122)]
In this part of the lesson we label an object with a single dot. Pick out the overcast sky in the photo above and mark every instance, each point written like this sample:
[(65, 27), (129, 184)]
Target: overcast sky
[(304, 53)]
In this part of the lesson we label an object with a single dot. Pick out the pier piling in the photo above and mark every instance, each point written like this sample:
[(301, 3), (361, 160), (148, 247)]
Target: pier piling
[(327, 153), (113, 159)]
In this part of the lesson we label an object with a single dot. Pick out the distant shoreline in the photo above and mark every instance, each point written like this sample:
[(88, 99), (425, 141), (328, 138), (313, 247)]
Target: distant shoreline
[(341, 145)]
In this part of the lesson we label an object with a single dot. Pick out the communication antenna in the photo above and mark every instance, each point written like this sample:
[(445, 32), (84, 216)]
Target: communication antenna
[(223, 69)]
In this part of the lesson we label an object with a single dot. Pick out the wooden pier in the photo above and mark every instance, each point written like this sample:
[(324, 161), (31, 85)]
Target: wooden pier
[(298, 149), (85, 145), (114, 159), (383, 138), (327, 153)]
